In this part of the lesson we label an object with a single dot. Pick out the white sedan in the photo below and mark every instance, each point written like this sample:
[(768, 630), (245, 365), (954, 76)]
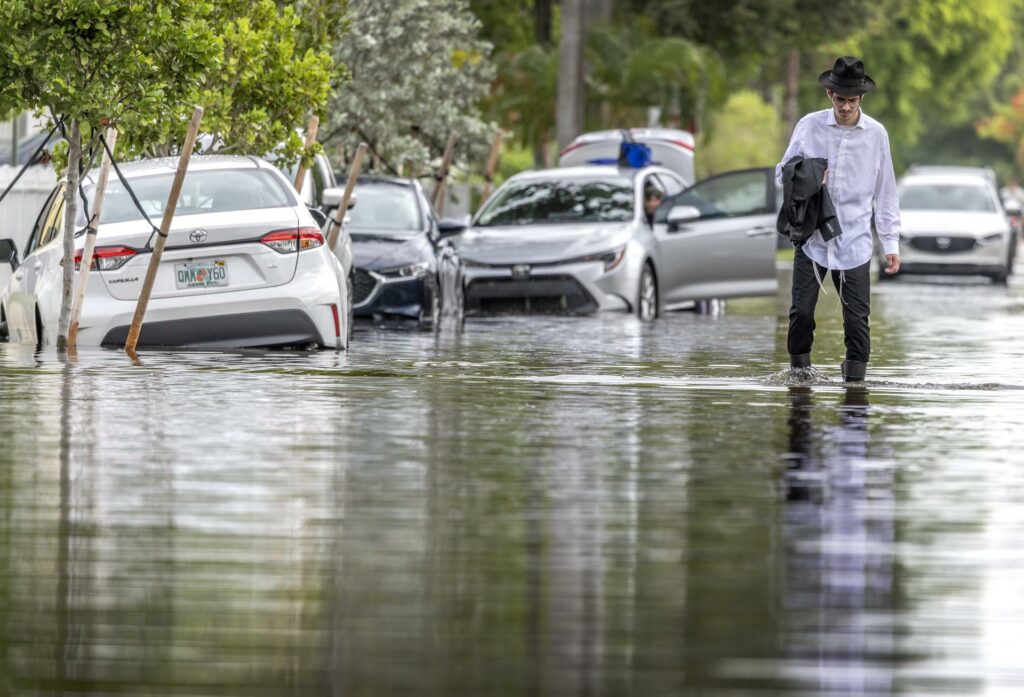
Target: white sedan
[(246, 264)]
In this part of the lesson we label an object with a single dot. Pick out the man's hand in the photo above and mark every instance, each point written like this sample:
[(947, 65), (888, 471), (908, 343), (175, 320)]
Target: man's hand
[(824, 180), (894, 263)]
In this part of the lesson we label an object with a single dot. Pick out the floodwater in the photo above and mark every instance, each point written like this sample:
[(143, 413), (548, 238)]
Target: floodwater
[(538, 506)]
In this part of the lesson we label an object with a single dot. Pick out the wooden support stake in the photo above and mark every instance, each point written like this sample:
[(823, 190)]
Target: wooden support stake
[(442, 176), (492, 164), (339, 215), (90, 240), (300, 176), (165, 227)]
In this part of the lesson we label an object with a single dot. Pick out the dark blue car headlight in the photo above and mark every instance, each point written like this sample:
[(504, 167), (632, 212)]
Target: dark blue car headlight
[(411, 271)]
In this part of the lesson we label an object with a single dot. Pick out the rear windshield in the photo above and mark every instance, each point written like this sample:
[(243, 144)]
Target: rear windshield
[(946, 197), (561, 201), (388, 209), (204, 191)]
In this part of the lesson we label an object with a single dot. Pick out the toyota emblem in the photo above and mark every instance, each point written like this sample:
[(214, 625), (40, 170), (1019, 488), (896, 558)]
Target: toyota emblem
[(521, 271), (198, 236), (943, 242)]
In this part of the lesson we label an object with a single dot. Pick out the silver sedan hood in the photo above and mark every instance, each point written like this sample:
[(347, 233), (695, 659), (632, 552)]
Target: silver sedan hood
[(539, 244)]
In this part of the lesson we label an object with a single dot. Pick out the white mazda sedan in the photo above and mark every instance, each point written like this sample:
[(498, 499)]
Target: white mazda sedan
[(245, 266)]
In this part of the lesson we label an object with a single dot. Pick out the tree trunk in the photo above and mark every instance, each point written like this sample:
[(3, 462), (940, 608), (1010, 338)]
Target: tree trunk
[(791, 101), (70, 212), (540, 153), (542, 19), (569, 101)]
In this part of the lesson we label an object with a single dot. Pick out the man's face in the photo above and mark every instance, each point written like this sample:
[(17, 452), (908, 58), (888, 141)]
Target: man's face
[(651, 202), (847, 109)]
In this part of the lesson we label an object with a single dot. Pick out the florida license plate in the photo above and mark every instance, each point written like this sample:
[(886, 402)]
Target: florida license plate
[(201, 274)]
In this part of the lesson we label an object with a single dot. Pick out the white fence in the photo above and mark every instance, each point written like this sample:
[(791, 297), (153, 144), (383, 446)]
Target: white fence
[(18, 212)]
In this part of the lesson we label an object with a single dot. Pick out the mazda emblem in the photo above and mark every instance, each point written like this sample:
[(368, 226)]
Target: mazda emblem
[(521, 271), (198, 236)]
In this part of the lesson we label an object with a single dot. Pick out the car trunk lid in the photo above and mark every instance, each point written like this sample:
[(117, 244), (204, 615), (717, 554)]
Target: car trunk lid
[(205, 254)]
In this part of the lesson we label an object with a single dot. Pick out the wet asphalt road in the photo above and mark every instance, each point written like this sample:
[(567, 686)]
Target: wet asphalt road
[(538, 506)]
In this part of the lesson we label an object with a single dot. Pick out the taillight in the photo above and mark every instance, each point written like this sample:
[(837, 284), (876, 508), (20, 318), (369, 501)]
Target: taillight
[(285, 241), (107, 258)]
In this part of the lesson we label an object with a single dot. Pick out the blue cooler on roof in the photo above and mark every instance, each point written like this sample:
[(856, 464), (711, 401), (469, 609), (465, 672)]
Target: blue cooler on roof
[(637, 147)]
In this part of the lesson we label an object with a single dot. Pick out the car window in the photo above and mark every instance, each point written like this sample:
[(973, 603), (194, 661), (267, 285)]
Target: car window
[(726, 196), (37, 230), (947, 197), (540, 201), (673, 186), (203, 191), (318, 182), (385, 208), (54, 223)]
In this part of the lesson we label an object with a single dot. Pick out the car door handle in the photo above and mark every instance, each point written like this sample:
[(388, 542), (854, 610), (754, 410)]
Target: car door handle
[(38, 265), (760, 231), (18, 275)]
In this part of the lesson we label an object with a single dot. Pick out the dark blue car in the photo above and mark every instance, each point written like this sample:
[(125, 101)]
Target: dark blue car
[(403, 267)]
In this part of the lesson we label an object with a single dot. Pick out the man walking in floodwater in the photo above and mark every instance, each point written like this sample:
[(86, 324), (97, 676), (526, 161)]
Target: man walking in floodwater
[(861, 183)]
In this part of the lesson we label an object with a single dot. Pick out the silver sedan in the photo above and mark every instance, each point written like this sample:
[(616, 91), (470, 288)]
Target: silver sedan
[(578, 240)]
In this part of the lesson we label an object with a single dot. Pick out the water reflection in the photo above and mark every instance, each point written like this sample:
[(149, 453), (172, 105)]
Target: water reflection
[(530, 507), (838, 534)]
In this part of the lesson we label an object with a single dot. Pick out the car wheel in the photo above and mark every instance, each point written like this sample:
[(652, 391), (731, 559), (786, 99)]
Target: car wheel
[(647, 294), (4, 333), (1001, 277)]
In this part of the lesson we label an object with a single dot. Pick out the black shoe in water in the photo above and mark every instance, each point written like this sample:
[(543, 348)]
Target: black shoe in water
[(854, 371), (800, 360)]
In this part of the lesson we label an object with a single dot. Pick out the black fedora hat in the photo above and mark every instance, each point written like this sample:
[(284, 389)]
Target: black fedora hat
[(847, 77)]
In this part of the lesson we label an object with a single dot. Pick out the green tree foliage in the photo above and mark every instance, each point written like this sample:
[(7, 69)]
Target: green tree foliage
[(263, 89), (934, 62), (632, 70), (418, 72), (523, 97), (744, 133)]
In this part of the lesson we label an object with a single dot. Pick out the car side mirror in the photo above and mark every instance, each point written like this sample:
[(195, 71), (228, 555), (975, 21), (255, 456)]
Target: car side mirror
[(452, 226), (9, 254), (333, 196), (678, 215), (319, 216)]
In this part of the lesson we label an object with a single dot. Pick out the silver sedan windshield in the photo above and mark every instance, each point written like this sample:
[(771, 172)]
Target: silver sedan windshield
[(553, 201)]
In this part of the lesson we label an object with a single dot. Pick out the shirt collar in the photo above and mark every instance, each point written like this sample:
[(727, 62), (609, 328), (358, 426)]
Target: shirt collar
[(830, 119)]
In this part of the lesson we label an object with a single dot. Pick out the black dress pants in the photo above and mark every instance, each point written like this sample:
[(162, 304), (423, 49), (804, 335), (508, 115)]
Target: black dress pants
[(854, 286)]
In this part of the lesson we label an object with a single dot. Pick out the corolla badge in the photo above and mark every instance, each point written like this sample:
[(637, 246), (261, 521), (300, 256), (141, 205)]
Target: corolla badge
[(521, 271), (198, 235)]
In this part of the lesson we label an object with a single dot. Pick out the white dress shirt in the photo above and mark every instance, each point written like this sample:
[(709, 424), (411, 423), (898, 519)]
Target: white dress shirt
[(860, 180)]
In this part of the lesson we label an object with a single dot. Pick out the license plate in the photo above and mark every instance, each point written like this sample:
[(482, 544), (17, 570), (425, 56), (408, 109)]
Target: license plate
[(201, 274)]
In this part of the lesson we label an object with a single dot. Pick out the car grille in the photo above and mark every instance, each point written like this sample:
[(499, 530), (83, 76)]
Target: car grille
[(540, 295), (943, 244), (363, 285)]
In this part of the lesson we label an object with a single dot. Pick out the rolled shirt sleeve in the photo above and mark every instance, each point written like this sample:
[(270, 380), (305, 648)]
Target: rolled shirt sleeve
[(887, 205), (795, 148)]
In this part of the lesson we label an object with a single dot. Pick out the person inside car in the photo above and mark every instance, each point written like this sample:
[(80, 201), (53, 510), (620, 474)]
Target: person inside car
[(653, 196)]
